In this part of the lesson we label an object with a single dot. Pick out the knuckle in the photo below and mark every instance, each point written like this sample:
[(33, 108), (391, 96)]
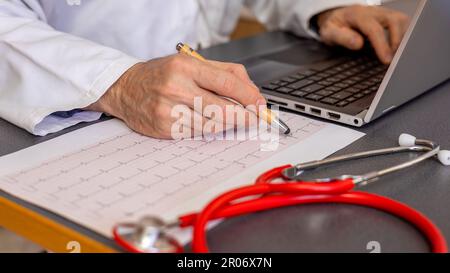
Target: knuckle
[(375, 28), (395, 18), (239, 69), (171, 89), (403, 18), (358, 9), (326, 32), (228, 83), (167, 84), (177, 62)]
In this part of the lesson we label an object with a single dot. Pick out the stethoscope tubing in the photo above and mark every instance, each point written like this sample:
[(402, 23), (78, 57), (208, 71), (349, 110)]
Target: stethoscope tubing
[(218, 210), (300, 193)]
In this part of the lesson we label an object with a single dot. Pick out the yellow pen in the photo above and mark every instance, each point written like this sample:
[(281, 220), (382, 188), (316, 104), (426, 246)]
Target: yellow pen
[(267, 115)]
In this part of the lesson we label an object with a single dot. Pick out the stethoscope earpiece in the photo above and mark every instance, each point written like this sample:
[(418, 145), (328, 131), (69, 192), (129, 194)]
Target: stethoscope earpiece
[(444, 157), (406, 140)]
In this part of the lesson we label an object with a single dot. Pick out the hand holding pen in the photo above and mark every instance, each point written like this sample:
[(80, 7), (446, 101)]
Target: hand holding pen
[(266, 115), (145, 96)]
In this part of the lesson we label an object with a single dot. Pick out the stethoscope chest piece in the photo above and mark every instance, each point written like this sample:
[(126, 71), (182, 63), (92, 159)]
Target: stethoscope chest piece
[(146, 236)]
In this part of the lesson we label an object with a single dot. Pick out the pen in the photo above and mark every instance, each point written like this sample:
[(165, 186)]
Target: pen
[(267, 115)]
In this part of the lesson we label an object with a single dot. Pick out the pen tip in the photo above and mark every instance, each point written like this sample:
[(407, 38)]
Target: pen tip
[(288, 132)]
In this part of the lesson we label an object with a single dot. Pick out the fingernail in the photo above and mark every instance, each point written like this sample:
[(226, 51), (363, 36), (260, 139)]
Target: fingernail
[(389, 57), (356, 42), (353, 42)]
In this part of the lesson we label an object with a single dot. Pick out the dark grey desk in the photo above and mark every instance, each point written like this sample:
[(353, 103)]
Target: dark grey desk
[(327, 228)]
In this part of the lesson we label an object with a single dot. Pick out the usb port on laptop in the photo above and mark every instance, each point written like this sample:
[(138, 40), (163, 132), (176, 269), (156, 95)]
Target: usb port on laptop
[(316, 111), (334, 116), (300, 107)]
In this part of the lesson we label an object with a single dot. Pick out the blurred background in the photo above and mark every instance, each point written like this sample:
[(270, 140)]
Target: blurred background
[(249, 26)]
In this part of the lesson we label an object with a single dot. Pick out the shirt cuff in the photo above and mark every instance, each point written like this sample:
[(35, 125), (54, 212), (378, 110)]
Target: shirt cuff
[(46, 122), (321, 6), (55, 123)]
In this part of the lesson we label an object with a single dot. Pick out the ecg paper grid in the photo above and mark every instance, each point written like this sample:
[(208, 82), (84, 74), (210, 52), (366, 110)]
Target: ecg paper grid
[(128, 176)]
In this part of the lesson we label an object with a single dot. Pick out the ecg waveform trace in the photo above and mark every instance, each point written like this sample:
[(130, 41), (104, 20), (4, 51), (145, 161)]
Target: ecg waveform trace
[(129, 175)]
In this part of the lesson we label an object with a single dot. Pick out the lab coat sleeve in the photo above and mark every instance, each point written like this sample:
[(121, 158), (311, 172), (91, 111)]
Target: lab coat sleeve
[(44, 71), (294, 15)]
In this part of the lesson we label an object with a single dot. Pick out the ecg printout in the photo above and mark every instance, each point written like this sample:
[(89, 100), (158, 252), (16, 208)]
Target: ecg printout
[(122, 176)]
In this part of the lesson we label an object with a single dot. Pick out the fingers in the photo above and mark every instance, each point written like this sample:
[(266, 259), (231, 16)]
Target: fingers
[(182, 123), (161, 97), (397, 23), (192, 125), (395, 34), (191, 88), (377, 37), (240, 71), (226, 112), (340, 26), (334, 34), (237, 69), (373, 21), (222, 110), (227, 84), (195, 125)]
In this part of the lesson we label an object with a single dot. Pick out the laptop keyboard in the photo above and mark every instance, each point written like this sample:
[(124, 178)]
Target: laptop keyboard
[(340, 85)]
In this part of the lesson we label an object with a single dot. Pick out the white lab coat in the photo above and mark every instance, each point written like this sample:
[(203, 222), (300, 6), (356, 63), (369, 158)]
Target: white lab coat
[(59, 55)]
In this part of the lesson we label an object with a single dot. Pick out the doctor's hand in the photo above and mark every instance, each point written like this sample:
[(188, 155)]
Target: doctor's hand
[(146, 94), (346, 27)]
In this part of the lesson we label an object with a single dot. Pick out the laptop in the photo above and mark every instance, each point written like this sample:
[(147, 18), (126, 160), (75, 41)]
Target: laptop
[(354, 88)]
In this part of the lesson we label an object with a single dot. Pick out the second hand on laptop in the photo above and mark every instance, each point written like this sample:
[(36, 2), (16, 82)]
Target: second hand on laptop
[(267, 115)]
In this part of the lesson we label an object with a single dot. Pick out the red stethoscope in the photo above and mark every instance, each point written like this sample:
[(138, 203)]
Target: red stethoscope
[(282, 187)]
